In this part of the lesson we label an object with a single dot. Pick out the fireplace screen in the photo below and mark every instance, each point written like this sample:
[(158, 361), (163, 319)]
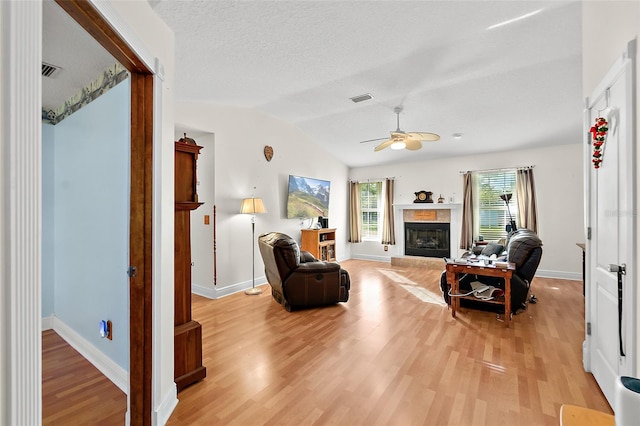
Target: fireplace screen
[(426, 239)]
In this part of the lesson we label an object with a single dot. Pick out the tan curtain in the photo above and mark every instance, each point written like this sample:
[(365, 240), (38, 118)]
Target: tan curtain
[(388, 224), (355, 219), (526, 195), (466, 233)]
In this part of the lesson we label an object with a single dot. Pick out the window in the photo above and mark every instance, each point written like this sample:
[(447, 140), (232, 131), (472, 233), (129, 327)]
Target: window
[(492, 213), (371, 210)]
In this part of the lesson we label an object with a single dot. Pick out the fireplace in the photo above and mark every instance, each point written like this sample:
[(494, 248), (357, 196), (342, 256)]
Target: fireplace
[(427, 239)]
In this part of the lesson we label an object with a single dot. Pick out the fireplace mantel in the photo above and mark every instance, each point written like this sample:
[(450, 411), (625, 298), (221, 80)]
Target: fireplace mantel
[(428, 206), (455, 224)]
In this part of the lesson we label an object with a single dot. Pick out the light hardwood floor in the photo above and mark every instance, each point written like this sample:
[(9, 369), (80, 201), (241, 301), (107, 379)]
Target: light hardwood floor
[(388, 357), (74, 392)]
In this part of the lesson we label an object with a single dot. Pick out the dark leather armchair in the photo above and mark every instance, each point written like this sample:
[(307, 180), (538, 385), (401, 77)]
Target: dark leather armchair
[(297, 278), (524, 248)]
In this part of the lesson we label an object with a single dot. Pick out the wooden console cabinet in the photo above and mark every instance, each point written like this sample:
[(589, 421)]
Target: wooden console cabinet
[(187, 333), (321, 243)]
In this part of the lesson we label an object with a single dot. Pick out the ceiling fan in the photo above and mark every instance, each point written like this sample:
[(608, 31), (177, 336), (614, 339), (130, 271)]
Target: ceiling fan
[(404, 140)]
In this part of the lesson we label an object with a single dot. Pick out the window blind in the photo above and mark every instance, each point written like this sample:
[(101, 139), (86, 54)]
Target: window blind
[(370, 194), (493, 215)]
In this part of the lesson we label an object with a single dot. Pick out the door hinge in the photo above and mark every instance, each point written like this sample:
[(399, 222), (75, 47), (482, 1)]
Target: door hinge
[(588, 329), (589, 233), (132, 271)]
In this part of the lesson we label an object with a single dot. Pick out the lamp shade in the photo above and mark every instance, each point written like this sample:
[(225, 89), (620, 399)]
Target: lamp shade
[(252, 206), (506, 197)]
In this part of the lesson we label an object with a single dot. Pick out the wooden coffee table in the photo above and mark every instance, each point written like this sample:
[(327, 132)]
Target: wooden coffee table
[(454, 270)]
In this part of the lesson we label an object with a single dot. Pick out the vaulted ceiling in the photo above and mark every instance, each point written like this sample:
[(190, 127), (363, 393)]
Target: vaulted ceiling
[(512, 86)]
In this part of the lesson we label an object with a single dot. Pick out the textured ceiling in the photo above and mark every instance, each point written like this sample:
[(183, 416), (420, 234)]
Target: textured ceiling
[(511, 87), (67, 45), (515, 86)]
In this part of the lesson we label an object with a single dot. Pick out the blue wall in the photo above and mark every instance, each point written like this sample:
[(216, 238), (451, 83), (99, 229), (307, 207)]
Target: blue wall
[(48, 139), (90, 248)]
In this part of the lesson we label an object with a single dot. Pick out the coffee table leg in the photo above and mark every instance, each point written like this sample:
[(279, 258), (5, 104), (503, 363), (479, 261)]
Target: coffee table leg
[(507, 301), (452, 278)]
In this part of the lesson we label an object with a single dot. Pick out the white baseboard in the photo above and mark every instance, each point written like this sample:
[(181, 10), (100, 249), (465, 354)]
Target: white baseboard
[(561, 275), (47, 322), (106, 365), (372, 257), (166, 407), (218, 292)]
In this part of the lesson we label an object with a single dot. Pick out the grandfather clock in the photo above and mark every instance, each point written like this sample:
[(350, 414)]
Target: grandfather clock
[(187, 333)]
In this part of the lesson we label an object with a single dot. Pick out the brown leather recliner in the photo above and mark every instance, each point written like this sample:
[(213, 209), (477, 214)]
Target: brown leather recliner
[(297, 278)]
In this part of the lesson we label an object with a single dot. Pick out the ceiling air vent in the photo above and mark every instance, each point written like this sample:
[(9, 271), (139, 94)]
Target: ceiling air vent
[(361, 98), (49, 70)]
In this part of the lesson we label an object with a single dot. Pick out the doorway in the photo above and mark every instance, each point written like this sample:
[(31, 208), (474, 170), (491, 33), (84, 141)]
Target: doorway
[(610, 343), (140, 220)]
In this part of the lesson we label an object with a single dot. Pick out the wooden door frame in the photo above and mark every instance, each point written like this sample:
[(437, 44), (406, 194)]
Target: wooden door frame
[(141, 207)]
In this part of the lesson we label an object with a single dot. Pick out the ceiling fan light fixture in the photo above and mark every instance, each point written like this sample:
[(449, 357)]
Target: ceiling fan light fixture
[(398, 145)]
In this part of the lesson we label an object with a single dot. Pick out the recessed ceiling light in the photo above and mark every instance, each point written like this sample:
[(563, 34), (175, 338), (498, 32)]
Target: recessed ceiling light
[(361, 98), (519, 18), (457, 135)]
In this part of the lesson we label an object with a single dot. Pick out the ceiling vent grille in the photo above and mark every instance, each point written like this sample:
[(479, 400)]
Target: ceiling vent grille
[(361, 98), (49, 70)]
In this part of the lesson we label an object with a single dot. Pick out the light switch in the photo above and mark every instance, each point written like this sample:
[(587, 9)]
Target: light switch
[(206, 219)]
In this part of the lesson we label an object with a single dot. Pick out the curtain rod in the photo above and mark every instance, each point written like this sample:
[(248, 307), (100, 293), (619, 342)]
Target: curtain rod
[(372, 179), (497, 170)]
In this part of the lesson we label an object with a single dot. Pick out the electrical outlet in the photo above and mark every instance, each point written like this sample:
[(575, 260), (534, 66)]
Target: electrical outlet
[(386, 248), (106, 329)]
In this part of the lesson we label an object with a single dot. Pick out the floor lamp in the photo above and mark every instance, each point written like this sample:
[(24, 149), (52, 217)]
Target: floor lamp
[(511, 226), (253, 206)]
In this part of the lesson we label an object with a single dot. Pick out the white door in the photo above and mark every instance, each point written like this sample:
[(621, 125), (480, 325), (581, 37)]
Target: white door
[(610, 346)]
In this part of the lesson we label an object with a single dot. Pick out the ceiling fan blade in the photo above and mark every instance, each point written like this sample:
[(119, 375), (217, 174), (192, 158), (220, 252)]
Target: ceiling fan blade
[(423, 136), (384, 145), (373, 140), (413, 145)]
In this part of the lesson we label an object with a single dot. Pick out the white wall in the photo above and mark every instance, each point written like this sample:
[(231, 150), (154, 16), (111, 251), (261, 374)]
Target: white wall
[(559, 187), (201, 234), (4, 283), (607, 27), (236, 154)]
